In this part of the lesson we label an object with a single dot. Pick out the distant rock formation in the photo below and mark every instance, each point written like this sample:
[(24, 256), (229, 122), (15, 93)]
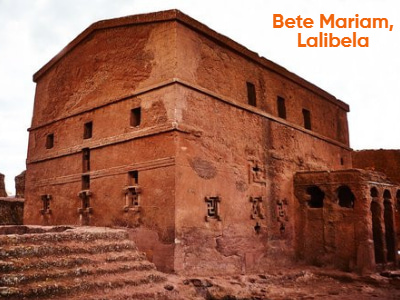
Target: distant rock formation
[(20, 185), (3, 192)]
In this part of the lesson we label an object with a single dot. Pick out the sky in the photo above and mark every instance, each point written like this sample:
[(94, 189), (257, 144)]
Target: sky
[(366, 78)]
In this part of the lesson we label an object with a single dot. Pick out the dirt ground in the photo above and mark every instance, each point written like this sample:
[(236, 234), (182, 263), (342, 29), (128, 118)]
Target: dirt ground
[(296, 283)]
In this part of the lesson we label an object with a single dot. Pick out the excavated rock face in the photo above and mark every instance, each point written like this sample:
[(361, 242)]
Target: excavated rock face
[(3, 192), (11, 211), (69, 263), (382, 160), (20, 185), (92, 263)]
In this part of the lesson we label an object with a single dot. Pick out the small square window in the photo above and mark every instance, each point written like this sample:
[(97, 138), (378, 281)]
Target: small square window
[(87, 130), (136, 116), (50, 141)]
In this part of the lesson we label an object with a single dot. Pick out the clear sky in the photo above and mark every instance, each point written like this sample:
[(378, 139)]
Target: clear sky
[(33, 31)]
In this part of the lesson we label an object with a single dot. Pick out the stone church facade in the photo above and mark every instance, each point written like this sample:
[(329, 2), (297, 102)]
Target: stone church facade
[(218, 160)]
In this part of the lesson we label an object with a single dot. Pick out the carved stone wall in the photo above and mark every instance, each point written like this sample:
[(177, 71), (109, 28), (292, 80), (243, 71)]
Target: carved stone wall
[(20, 185), (385, 161), (3, 192), (174, 131), (11, 211), (346, 219)]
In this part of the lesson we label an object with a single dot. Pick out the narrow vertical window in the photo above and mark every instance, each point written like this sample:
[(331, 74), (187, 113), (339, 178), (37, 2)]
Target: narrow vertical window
[(50, 141), (85, 182), (87, 130), (135, 117), (251, 94), (46, 204), (281, 108), (133, 178), (85, 160), (307, 119)]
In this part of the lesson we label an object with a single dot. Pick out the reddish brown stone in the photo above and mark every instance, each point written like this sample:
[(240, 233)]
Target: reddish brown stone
[(3, 192), (20, 185), (157, 123), (385, 161), (336, 223), (11, 211)]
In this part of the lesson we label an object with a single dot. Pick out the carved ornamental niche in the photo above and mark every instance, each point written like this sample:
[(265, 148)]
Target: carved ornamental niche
[(212, 208), (256, 208), (256, 171), (281, 214), (132, 194)]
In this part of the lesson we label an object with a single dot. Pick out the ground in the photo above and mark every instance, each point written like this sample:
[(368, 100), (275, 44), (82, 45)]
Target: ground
[(295, 283)]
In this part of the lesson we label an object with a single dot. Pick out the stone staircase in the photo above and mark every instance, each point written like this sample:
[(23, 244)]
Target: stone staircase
[(74, 263)]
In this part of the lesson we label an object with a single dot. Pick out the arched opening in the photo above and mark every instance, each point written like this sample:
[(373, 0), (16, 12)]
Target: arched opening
[(389, 226), (316, 197), (346, 196), (374, 192), (377, 231)]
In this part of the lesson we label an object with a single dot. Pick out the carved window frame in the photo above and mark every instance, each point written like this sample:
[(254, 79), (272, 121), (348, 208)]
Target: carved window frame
[(256, 209), (46, 204), (213, 208), (132, 198)]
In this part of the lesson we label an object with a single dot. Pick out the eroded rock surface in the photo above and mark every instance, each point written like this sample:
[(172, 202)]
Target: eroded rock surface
[(3, 192), (64, 262), (20, 185)]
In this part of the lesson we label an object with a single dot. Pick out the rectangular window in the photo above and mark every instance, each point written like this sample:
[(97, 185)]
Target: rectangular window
[(251, 94), (85, 160), (50, 141), (307, 119), (281, 108), (46, 204), (133, 178), (87, 130), (135, 117), (85, 182)]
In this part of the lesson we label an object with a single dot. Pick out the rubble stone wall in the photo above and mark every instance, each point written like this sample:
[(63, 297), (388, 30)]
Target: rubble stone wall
[(20, 185), (11, 211), (3, 192)]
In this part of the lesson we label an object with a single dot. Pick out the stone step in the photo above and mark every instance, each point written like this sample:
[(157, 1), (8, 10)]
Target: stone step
[(71, 287), (152, 291), (58, 234), (18, 265), (95, 268), (65, 248)]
